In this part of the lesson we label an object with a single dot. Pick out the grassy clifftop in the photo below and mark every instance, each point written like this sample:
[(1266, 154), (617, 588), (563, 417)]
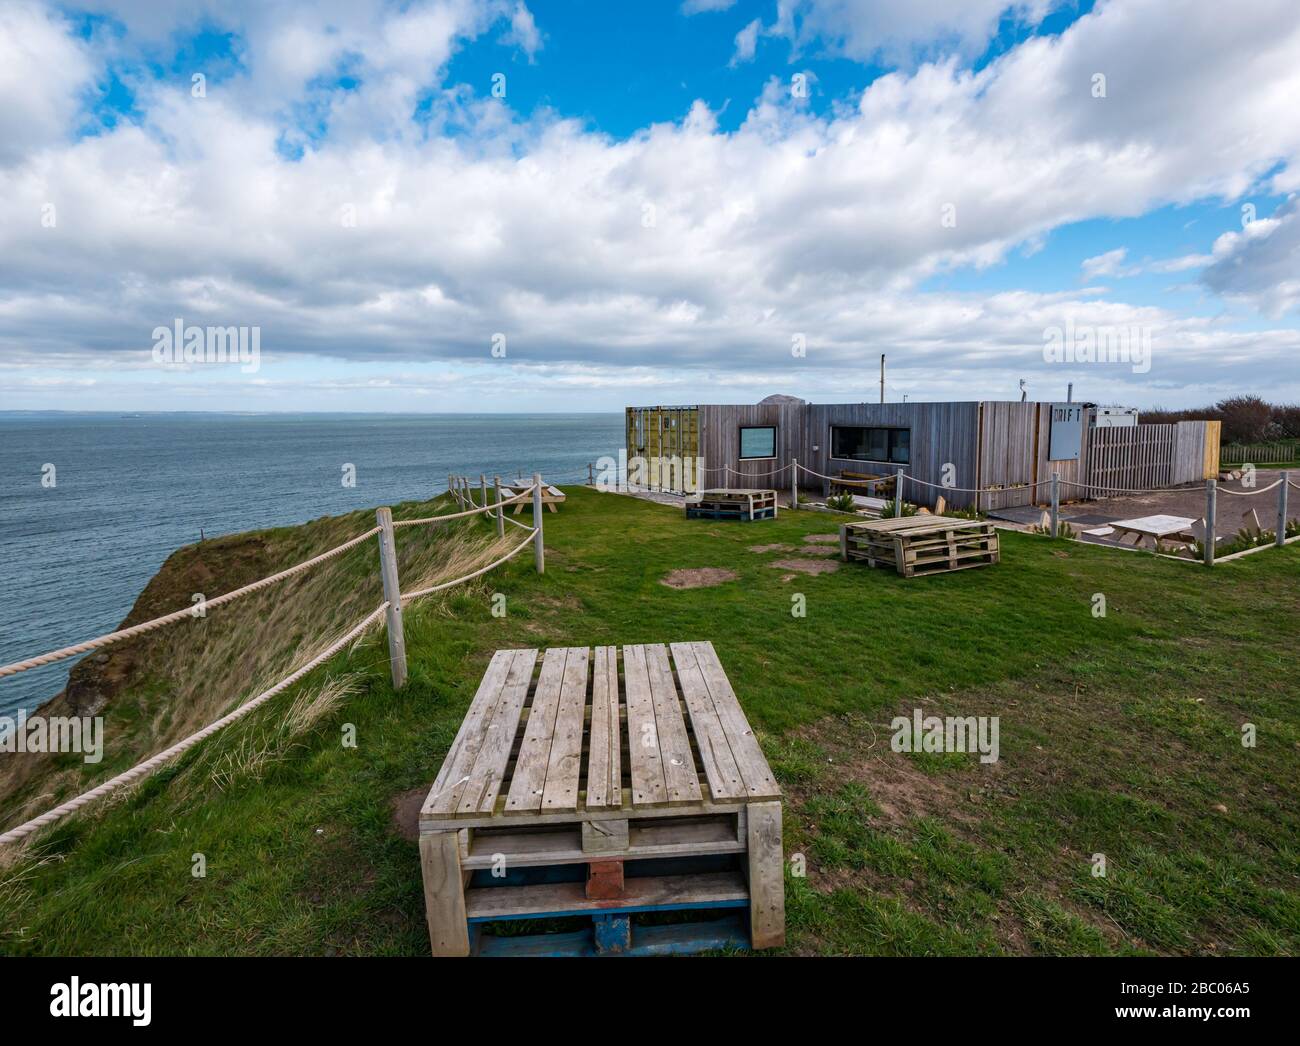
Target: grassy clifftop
[(157, 688), (1120, 735)]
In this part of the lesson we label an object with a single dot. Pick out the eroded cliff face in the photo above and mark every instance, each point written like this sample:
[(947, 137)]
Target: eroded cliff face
[(118, 672), (207, 568), (159, 687)]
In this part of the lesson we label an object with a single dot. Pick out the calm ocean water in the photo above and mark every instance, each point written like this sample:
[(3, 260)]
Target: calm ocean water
[(132, 489)]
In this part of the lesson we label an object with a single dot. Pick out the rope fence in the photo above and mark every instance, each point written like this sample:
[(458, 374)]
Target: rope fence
[(153, 762), (391, 607), (532, 536), (178, 615)]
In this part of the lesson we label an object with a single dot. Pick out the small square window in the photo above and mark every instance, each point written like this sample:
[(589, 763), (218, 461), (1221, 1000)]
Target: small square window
[(757, 441)]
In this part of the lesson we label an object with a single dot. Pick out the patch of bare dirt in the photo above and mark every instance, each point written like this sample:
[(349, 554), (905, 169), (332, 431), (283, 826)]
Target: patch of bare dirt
[(821, 539), (905, 793), (807, 566), (778, 547), (406, 813), (698, 577)]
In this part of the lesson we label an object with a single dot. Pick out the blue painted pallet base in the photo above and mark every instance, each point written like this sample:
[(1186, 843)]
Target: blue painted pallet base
[(744, 517), (608, 939)]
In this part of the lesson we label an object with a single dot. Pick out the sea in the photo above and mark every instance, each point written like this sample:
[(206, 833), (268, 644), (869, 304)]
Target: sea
[(91, 504)]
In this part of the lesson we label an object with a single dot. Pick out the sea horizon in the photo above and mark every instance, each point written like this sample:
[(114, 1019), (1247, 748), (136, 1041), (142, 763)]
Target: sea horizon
[(131, 487)]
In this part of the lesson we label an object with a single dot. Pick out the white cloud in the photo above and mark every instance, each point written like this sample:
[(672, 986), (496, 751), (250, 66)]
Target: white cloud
[(1261, 264), (897, 29), (794, 222), (524, 33), (1109, 264), (747, 43), (695, 7), (43, 71)]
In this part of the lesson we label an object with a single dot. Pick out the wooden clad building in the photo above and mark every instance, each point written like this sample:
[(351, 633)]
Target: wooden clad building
[(998, 448)]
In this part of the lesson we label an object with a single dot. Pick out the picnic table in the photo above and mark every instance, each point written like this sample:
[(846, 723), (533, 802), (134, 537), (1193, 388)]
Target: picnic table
[(1157, 528), (603, 782), (551, 496)]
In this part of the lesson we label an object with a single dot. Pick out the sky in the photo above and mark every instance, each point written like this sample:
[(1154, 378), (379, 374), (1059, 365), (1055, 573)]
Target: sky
[(573, 205)]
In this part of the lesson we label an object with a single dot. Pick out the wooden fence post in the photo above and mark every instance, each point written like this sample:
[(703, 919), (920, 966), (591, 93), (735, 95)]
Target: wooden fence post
[(482, 482), (451, 484), (501, 513), (1280, 539), (794, 482), (393, 594), (1056, 503), (1210, 494), (898, 491), (539, 556), (591, 474)]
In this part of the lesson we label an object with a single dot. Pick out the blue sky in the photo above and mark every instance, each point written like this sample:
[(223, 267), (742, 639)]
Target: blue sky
[(650, 206)]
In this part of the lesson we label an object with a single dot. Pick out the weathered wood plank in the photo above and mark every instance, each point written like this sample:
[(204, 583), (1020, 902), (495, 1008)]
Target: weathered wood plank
[(485, 779), (681, 779), (724, 777), (535, 750), (444, 893), (445, 794), (604, 758), (766, 876), (561, 789), (648, 782), (757, 775), (710, 888)]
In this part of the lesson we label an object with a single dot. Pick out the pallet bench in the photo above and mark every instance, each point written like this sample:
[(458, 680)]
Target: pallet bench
[(851, 482), (921, 544), (610, 784), (744, 505)]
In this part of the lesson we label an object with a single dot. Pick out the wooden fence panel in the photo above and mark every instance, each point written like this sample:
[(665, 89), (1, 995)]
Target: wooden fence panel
[(1131, 457), (1258, 453)]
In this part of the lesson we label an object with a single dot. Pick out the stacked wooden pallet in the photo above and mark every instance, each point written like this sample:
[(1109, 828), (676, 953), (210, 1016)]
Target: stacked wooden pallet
[(921, 544), (733, 504), (577, 789)]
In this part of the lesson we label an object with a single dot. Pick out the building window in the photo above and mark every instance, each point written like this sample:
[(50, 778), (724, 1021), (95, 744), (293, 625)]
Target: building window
[(757, 441), (858, 443)]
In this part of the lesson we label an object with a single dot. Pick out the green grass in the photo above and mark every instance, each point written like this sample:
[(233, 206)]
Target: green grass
[(1120, 736)]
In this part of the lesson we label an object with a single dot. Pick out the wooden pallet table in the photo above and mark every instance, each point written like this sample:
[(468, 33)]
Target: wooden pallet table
[(606, 783), (921, 544), (745, 505)]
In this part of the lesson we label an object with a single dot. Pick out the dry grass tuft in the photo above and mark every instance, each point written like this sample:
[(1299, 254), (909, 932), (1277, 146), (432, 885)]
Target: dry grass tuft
[(274, 735)]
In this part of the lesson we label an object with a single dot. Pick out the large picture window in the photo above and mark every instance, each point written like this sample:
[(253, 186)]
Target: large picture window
[(757, 441), (860, 443)]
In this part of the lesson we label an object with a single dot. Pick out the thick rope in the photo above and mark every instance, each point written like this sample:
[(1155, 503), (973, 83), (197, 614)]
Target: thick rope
[(1120, 490), (178, 615), (152, 763), (755, 475), (1250, 493), (461, 515), (532, 536)]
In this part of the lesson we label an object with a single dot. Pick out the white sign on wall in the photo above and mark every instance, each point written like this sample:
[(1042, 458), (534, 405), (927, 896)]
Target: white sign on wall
[(1066, 433)]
